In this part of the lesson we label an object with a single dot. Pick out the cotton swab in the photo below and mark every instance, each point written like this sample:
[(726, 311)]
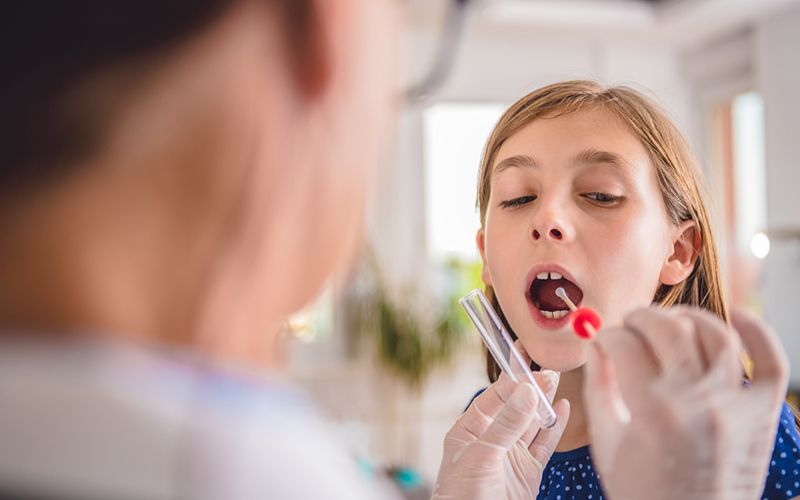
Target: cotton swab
[(585, 321), (563, 294)]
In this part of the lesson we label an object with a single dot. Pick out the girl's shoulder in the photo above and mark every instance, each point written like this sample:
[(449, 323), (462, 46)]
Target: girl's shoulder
[(783, 479)]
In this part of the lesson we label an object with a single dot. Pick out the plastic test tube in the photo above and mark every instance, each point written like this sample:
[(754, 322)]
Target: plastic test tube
[(499, 343)]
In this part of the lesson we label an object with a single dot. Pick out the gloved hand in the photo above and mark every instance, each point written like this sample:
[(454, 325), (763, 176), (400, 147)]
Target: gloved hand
[(668, 413), (496, 450)]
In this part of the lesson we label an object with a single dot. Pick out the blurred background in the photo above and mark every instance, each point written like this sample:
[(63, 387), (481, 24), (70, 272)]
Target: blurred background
[(387, 350)]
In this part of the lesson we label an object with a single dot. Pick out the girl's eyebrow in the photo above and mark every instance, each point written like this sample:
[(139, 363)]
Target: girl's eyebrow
[(595, 156), (518, 161)]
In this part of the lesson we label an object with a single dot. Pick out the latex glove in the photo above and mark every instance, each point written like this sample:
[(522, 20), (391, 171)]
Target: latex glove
[(669, 416), (496, 450)]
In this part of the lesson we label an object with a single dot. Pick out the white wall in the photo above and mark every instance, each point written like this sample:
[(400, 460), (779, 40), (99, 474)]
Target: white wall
[(778, 75), (494, 69)]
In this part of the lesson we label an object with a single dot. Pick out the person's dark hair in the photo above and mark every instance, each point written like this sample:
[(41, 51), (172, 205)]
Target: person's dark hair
[(49, 47)]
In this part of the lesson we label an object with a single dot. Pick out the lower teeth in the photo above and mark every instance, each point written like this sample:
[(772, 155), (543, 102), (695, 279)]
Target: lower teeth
[(549, 314)]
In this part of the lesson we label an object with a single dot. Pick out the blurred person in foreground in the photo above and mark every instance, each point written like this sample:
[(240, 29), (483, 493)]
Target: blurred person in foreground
[(178, 177)]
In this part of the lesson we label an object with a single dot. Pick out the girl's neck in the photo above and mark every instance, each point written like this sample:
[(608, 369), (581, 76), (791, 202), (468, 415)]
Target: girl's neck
[(576, 433)]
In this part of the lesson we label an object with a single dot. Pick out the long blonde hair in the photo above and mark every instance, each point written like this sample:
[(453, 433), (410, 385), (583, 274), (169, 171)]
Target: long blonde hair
[(677, 170)]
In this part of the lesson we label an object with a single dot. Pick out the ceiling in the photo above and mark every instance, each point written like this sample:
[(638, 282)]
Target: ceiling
[(684, 23)]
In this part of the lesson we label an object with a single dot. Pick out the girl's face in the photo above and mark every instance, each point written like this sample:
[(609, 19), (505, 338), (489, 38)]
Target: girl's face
[(574, 203)]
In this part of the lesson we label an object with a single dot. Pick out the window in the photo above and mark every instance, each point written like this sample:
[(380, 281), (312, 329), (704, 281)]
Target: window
[(741, 174), (454, 134), (749, 171)]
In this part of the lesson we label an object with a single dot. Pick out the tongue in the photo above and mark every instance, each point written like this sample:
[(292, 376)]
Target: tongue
[(549, 301)]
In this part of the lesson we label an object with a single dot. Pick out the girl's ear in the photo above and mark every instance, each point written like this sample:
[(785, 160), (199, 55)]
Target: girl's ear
[(685, 250), (480, 239)]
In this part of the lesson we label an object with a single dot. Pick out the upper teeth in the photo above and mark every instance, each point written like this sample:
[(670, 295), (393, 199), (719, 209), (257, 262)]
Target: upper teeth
[(554, 314), (552, 276)]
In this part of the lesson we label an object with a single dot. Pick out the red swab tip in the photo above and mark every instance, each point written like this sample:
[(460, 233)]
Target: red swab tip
[(586, 322)]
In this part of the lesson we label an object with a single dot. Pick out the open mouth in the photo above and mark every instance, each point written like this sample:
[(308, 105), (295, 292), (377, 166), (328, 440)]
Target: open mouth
[(544, 298)]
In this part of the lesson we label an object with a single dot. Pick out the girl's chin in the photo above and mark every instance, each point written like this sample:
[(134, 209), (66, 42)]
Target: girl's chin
[(562, 353), (561, 365)]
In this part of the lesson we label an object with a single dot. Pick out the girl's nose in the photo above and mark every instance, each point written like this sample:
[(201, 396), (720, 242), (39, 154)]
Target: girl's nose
[(551, 219)]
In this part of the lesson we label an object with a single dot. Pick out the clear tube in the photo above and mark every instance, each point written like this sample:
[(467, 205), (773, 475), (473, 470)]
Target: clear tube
[(499, 343)]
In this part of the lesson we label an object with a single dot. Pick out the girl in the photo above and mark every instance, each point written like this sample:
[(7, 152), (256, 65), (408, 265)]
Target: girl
[(595, 190)]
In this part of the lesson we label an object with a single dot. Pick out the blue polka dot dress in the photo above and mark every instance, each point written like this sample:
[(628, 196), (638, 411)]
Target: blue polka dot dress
[(571, 476), (783, 480)]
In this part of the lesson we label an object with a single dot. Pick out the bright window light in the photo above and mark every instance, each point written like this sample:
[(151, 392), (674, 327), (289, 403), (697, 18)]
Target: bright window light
[(454, 134), (749, 169), (759, 245)]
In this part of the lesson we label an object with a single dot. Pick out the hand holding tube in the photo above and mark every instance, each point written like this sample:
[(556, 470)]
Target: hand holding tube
[(496, 450), (508, 354)]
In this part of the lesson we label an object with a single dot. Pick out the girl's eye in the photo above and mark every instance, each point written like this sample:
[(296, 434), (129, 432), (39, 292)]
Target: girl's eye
[(603, 198), (517, 202)]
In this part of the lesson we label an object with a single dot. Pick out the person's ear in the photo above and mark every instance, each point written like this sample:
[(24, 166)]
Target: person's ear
[(685, 250), (480, 239), (310, 30)]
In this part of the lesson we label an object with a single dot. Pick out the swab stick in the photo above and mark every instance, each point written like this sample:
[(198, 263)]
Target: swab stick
[(585, 321)]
